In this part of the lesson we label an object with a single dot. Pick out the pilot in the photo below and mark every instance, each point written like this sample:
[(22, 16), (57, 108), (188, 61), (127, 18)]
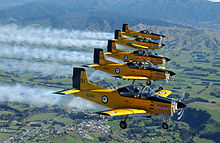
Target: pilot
[(136, 91), (140, 65), (140, 52)]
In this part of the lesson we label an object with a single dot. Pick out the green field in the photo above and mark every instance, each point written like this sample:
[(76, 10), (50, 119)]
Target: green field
[(193, 54)]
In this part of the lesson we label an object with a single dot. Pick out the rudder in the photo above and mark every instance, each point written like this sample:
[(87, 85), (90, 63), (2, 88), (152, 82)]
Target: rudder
[(125, 28), (118, 34), (111, 47), (79, 79), (99, 57)]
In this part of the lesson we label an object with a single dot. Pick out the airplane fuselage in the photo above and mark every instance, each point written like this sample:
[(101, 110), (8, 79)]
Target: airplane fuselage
[(129, 56), (135, 34), (124, 70), (113, 100), (134, 43)]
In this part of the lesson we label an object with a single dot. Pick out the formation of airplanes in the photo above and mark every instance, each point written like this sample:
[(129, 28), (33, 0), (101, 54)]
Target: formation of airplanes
[(134, 98)]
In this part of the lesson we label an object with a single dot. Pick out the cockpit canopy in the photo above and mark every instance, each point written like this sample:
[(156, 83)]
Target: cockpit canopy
[(140, 64), (147, 40), (140, 39), (145, 32), (144, 53), (137, 91)]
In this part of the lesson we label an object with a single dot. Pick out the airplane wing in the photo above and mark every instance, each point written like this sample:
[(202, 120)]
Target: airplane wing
[(164, 93), (108, 53), (138, 46), (132, 77), (94, 65), (67, 91), (119, 112)]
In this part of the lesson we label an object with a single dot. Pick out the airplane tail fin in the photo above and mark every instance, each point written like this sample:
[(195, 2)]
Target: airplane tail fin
[(111, 47), (118, 34), (80, 80), (125, 28), (99, 57)]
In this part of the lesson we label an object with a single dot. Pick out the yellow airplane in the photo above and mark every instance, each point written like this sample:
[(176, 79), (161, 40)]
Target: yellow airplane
[(138, 43), (128, 100), (134, 70), (144, 33), (142, 54)]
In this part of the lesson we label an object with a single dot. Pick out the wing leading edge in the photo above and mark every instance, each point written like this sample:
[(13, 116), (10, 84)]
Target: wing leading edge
[(132, 77), (67, 91), (119, 112)]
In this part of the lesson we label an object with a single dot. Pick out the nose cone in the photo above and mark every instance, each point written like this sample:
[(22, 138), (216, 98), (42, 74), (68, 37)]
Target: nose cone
[(181, 105), (167, 59), (172, 73), (163, 36)]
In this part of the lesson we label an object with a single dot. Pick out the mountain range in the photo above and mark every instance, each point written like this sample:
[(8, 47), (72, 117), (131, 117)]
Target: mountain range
[(106, 15)]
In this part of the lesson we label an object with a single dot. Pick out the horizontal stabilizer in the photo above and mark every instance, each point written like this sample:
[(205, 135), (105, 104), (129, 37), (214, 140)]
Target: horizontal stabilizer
[(119, 112), (94, 65), (67, 91), (108, 53)]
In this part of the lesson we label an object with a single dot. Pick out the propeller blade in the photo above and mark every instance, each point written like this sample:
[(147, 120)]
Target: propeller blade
[(167, 77), (180, 117), (164, 61), (180, 112)]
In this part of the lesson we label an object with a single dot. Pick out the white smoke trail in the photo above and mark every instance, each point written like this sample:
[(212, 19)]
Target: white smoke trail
[(35, 67), (48, 36), (48, 68), (51, 54), (98, 75), (40, 96)]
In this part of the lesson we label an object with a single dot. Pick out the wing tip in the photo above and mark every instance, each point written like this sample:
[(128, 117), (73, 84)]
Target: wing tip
[(101, 113), (59, 92), (116, 76)]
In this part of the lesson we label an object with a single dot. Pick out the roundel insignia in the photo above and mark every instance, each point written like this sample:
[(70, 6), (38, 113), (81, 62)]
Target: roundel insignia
[(117, 70), (104, 99), (125, 57)]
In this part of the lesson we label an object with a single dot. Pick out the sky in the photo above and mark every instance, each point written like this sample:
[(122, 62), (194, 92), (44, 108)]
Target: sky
[(214, 0)]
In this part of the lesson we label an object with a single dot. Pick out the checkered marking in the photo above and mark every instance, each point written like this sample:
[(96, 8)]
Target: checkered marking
[(162, 108)]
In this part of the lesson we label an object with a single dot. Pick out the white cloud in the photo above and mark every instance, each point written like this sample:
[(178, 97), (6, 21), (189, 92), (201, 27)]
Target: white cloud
[(214, 0)]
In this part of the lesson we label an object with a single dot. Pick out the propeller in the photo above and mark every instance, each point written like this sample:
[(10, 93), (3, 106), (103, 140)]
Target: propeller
[(181, 111), (177, 106), (164, 61), (180, 108), (161, 40), (173, 107), (180, 114), (167, 77)]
